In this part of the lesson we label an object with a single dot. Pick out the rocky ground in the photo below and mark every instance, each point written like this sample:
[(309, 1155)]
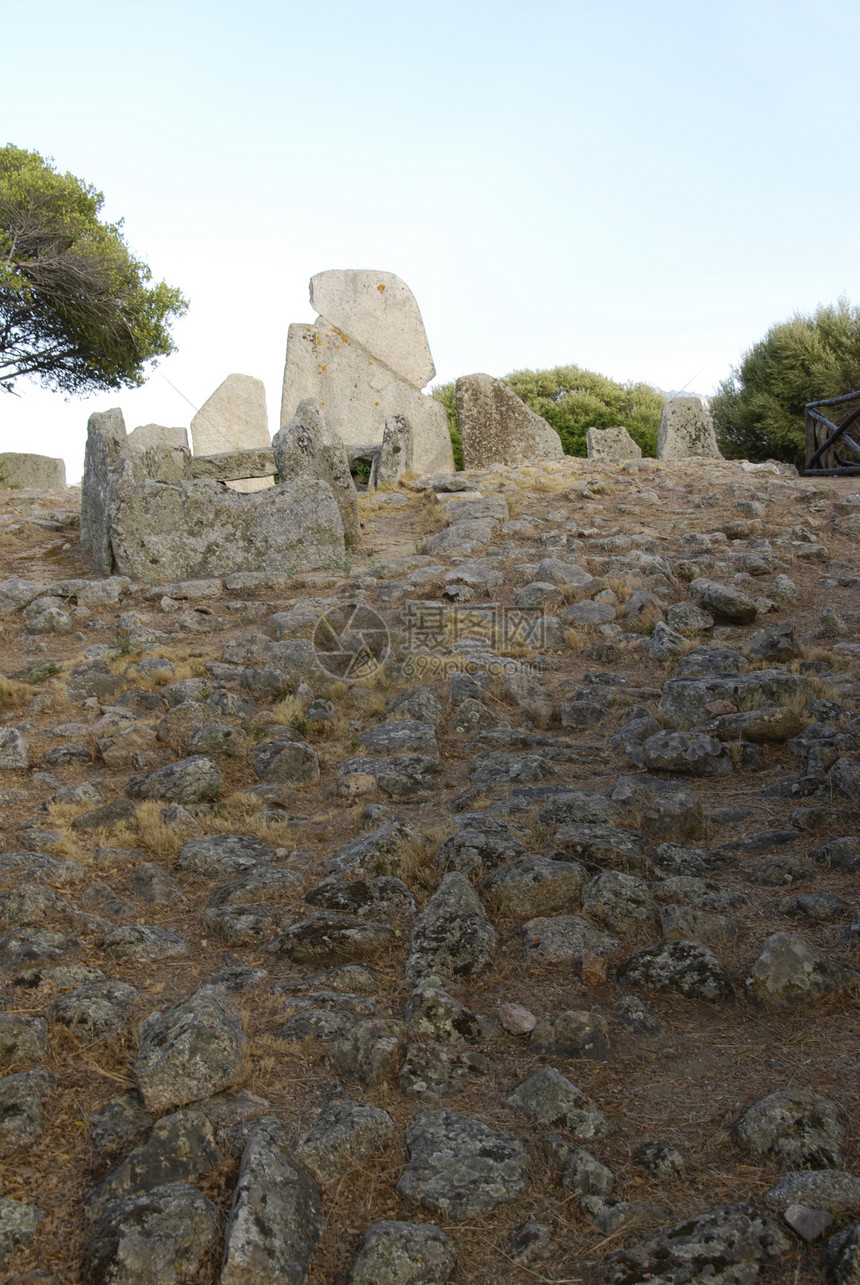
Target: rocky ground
[(501, 928)]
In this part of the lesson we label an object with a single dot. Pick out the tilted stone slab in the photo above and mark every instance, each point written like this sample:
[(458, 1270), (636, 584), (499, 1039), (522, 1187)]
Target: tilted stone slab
[(358, 392), (190, 530), (497, 427), (230, 465), (107, 469), (380, 312)]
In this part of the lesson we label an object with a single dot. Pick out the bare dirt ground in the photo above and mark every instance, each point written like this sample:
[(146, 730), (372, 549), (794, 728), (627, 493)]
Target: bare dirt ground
[(685, 1086)]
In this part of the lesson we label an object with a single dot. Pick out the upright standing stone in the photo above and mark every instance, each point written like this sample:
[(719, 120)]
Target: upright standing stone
[(686, 431), (306, 448), (365, 358), (107, 470), (39, 472), (611, 444), (396, 454), (497, 427), (234, 419)]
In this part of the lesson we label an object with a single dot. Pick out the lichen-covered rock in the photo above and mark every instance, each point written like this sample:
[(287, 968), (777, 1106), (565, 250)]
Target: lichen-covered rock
[(370, 1051), (573, 1034), (452, 936), (723, 600), (408, 777), (794, 1127), (162, 1237), (97, 1007), (475, 850), (689, 753), (621, 903), (831, 1189), (550, 1098), (498, 428), (276, 1218), (19, 1223), (686, 967), (843, 1256), (565, 939), (23, 1040), (728, 1246), (220, 856), (326, 935), (286, 761), (14, 749), (459, 1166), (684, 702), (306, 447), (401, 1253), (792, 972), (432, 1012), (191, 780), (22, 1102), (344, 1134), (180, 1148), (194, 1049), (532, 886), (163, 531)]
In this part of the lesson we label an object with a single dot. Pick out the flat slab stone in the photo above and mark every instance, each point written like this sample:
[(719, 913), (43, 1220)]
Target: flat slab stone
[(459, 1167)]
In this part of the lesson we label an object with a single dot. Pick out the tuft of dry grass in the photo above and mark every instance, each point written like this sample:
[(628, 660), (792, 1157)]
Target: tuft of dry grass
[(14, 695), (430, 515)]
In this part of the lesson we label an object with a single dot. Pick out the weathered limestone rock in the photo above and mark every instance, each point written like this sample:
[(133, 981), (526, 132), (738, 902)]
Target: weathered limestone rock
[(306, 447), (497, 427), (190, 530), (233, 419), (276, 1218), (378, 311), (686, 430), (611, 445), (396, 454), (35, 472)]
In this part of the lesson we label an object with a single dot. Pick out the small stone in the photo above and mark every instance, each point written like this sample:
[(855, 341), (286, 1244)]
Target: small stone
[(573, 1034), (19, 1223), (344, 1135), (515, 1019), (792, 972), (808, 1223), (550, 1098), (196, 1048)]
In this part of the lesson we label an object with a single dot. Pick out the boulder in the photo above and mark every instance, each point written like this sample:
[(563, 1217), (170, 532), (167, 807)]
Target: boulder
[(611, 445), (459, 1166), (34, 472), (497, 427), (395, 456), (686, 430)]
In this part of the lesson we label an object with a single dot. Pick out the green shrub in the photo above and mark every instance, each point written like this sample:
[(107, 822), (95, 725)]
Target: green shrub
[(759, 410)]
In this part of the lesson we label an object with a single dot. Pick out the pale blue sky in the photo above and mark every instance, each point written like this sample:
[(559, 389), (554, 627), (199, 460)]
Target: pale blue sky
[(641, 189)]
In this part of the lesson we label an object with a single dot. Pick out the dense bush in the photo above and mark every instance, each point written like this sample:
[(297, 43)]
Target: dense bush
[(574, 400), (758, 411)]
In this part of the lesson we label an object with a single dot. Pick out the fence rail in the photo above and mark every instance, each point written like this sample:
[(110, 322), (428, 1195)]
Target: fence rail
[(830, 451)]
